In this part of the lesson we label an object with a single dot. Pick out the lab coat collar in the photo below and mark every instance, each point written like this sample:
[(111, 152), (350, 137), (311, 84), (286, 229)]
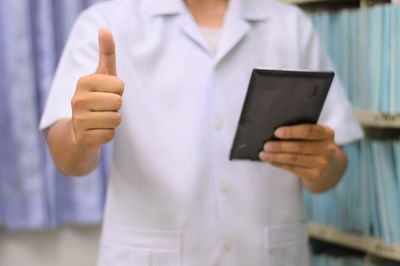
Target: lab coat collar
[(254, 10), (163, 7), (251, 10), (239, 16)]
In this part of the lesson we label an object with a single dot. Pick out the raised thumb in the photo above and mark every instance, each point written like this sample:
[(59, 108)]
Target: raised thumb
[(107, 60)]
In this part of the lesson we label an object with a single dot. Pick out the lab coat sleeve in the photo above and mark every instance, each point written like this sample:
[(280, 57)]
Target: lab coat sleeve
[(79, 58), (337, 112)]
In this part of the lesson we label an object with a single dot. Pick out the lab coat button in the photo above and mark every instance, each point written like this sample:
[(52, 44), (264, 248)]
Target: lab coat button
[(223, 186), (227, 245), (218, 124)]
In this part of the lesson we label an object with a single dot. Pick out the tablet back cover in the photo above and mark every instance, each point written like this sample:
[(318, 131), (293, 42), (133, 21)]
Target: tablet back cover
[(278, 98)]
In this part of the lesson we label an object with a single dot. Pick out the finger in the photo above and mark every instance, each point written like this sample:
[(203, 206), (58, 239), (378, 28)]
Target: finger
[(99, 120), (102, 83), (305, 131), (100, 101), (107, 61), (294, 159), (303, 172), (301, 147), (97, 137)]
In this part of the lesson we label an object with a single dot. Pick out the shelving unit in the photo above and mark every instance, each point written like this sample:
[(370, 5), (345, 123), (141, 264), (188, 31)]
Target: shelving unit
[(371, 246), (376, 126)]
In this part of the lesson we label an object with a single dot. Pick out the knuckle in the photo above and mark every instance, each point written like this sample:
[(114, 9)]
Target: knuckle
[(330, 132), (121, 86), (117, 119), (331, 150), (109, 135), (294, 157), (323, 164), (316, 173), (118, 86), (84, 82), (78, 102), (81, 82), (118, 102)]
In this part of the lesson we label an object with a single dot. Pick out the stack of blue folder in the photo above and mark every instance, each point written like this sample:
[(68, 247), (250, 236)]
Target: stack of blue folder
[(364, 45)]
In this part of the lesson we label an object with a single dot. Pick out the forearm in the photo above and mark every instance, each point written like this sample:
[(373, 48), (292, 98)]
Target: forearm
[(68, 156), (331, 177)]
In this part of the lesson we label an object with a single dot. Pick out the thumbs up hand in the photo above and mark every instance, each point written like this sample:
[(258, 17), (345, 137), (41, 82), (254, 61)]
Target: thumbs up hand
[(97, 99)]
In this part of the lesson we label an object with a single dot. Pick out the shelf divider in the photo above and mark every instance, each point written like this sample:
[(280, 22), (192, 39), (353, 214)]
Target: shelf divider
[(369, 245)]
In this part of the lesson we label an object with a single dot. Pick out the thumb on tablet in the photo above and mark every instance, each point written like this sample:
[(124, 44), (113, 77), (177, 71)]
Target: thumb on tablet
[(107, 60)]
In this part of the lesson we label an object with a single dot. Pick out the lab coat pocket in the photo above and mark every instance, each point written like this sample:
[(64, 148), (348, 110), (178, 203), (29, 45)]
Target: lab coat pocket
[(124, 246), (286, 245)]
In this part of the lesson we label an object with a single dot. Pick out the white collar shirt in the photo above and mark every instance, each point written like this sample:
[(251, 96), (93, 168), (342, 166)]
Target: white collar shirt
[(174, 197)]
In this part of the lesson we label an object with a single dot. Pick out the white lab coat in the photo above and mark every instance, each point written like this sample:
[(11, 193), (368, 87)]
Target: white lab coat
[(174, 198)]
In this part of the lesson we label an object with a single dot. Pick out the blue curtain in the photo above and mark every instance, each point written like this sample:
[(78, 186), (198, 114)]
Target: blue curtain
[(33, 195)]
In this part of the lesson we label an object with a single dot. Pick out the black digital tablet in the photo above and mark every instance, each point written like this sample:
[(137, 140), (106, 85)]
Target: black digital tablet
[(277, 98)]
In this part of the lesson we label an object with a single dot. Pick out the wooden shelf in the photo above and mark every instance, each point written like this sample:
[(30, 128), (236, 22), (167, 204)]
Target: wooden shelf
[(379, 120), (370, 245), (380, 126), (335, 3)]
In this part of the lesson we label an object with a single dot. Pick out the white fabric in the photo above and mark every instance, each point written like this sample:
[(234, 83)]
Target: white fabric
[(212, 37), (174, 198)]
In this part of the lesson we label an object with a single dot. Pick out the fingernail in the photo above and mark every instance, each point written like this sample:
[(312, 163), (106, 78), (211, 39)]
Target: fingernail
[(279, 133), (269, 147), (262, 155)]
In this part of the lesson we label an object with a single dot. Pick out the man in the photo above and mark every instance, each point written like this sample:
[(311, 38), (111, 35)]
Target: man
[(174, 197)]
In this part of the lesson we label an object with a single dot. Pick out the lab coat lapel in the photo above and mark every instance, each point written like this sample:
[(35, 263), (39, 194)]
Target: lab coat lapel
[(187, 24), (238, 19), (232, 33), (237, 23), (192, 30)]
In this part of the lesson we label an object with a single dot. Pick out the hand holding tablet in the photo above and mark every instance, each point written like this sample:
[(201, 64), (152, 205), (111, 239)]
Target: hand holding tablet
[(277, 98)]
